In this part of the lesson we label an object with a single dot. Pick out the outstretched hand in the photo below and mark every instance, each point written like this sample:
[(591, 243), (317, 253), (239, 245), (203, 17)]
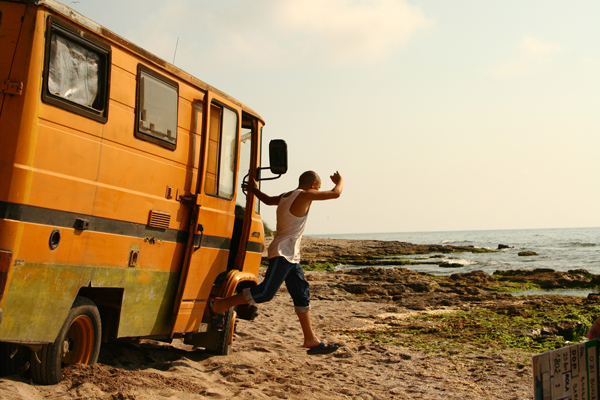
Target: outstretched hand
[(336, 177)]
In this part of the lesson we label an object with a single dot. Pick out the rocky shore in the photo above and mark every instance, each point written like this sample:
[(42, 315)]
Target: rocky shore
[(403, 335)]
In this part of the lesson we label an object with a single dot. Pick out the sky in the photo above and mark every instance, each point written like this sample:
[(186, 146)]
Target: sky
[(440, 115)]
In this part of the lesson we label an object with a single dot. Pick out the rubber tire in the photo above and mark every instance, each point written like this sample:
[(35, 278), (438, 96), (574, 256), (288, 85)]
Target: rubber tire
[(16, 365), (219, 342), (46, 364)]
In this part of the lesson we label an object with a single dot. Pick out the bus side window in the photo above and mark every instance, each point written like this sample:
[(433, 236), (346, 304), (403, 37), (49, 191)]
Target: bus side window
[(222, 150), (76, 75), (156, 109)]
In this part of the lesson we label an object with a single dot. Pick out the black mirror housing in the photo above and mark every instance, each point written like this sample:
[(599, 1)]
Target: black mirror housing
[(278, 156)]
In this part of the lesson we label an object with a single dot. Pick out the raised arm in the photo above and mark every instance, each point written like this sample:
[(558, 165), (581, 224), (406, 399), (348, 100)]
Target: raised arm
[(251, 187), (316, 195)]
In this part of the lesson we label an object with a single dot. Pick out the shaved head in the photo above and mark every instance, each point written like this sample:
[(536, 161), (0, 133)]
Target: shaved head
[(307, 178)]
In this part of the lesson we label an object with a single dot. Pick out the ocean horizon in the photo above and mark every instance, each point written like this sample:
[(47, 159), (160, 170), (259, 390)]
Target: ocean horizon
[(559, 249)]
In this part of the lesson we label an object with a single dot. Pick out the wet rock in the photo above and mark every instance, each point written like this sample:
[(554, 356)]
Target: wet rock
[(450, 265), (549, 279), (527, 253), (474, 277), (420, 287), (593, 298), (573, 330)]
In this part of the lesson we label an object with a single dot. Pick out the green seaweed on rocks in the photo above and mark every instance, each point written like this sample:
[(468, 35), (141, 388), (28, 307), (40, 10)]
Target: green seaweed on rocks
[(319, 266), (536, 329), (511, 287)]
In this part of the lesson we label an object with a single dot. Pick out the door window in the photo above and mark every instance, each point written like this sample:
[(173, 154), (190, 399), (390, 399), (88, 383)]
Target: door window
[(222, 151)]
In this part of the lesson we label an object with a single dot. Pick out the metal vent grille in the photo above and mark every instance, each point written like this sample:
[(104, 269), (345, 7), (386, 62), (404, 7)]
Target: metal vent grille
[(159, 219)]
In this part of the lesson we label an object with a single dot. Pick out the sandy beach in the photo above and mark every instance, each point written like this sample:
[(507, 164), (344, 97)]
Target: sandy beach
[(268, 361)]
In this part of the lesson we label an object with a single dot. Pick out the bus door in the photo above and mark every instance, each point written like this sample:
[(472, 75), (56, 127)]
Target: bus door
[(247, 243), (213, 217)]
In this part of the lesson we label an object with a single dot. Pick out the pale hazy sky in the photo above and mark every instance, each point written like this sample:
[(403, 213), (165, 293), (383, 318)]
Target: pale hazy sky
[(440, 115)]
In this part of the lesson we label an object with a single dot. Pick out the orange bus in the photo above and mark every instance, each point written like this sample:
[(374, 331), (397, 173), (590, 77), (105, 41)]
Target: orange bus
[(119, 210)]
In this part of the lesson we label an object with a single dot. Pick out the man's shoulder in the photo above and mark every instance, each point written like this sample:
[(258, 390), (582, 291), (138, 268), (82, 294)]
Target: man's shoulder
[(291, 192)]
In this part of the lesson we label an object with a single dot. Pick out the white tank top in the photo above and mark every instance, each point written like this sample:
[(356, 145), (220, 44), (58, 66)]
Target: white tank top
[(289, 230)]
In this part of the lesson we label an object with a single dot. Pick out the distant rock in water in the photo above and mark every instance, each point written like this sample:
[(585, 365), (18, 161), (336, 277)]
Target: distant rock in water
[(527, 253), (450, 265), (504, 246)]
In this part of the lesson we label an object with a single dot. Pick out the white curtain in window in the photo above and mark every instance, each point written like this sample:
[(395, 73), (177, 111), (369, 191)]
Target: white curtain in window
[(73, 71)]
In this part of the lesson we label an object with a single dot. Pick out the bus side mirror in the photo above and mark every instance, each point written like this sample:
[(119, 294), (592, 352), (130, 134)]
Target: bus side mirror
[(278, 156)]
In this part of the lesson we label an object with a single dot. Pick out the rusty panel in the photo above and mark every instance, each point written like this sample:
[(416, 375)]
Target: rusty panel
[(40, 296)]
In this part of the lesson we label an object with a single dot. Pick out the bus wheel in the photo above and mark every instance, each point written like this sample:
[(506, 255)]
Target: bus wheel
[(14, 359), (78, 342), (219, 343)]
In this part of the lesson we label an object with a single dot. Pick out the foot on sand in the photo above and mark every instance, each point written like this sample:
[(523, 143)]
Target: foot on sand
[(322, 348)]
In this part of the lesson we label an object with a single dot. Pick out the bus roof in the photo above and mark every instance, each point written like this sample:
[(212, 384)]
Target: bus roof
[(73, 15)]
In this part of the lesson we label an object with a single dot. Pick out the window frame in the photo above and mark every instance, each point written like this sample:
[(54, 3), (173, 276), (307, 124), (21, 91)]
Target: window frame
[(91, 43), (143, 135), (237, 149)]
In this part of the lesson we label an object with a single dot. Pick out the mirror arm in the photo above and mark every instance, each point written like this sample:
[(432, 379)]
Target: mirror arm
[(260, 178)]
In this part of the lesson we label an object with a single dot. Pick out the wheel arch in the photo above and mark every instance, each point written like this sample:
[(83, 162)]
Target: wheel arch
[(236, 280), (109, 302)]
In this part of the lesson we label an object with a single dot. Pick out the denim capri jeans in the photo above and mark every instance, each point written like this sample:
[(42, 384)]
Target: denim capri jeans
[(281, 270)]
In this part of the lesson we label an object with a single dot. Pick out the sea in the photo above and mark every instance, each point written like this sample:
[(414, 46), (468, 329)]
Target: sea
[(561, 249)]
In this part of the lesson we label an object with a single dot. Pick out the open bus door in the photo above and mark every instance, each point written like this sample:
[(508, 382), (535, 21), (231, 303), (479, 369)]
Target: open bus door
[(223, 241), (212, 216), (249, 232)]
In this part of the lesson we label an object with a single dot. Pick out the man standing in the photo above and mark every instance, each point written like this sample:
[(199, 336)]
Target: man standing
[(284, 256)]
